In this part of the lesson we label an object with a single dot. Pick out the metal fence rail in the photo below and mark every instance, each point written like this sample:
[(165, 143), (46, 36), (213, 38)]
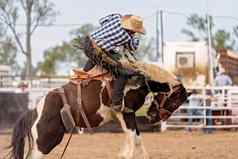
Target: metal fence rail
[(213, 99), (218, 109)]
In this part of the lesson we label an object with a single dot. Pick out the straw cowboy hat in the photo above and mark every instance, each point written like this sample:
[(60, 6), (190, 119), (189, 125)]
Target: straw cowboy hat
[(133, 23)]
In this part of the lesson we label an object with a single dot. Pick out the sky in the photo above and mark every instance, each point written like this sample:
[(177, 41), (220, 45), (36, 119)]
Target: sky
[(89, 11)]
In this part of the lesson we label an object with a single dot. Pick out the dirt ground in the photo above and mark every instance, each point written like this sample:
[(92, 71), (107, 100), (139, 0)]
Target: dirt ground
[(167, 145)]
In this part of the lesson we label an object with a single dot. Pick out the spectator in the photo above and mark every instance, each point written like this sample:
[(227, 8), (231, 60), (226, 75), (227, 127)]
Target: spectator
[(194, 101), (222, 79), (209, 121)]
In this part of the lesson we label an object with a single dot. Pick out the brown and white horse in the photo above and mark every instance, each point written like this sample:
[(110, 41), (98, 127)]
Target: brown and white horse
[(44, 129)]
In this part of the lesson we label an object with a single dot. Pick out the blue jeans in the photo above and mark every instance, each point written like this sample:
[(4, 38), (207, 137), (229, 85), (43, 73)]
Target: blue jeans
[(194, 102), (208, 121), (193, 112)]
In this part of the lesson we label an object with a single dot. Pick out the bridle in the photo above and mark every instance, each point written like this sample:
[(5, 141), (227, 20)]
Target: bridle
[(165, 95)]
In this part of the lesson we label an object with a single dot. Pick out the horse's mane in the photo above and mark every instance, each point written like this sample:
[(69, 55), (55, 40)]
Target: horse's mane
[(157, 73)]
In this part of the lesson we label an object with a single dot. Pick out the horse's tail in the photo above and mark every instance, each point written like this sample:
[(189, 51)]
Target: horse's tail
[(21, 130)]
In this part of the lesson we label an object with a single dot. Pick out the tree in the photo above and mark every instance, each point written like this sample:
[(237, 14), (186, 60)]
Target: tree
[(235, 30), (65, 52), (198, 27), (51, 57), (223, 40), (8, 54), (145, 49), (235, 33), (77, 55), (35, 12), (198, 31)]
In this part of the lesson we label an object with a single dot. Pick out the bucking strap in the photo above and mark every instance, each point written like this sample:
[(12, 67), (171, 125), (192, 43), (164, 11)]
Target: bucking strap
[(79, 101), (65, 112)]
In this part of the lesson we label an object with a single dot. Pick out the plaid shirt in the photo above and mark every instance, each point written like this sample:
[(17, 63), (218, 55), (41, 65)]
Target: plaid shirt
[(111, 34)]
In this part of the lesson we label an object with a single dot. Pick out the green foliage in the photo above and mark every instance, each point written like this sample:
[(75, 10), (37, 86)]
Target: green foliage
[(35, 13), (77, 55), (198, 27), (222, 40), (8, 54), (145, 48), (198, 31), (65, 53), (83, 31), (68, 54), (51, 57), (235, 32)]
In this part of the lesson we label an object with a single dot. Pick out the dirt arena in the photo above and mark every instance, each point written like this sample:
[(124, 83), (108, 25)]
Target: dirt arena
[(168, 145)]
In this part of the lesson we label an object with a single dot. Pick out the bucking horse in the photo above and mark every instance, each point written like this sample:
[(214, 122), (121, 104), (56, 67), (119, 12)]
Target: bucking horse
[(88, 95)]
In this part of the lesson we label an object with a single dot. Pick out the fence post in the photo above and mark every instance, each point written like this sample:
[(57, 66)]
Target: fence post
[(163, 126), (204, 107)]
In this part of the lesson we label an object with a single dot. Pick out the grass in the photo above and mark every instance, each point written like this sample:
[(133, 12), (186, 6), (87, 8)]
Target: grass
[(142, 111)]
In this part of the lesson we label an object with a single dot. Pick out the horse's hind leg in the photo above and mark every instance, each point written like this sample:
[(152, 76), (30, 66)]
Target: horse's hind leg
[(133, 139), (47, 131), (35, 154)]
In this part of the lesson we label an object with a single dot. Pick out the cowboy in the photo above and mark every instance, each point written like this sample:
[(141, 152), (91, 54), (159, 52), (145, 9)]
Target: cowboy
[(115, 31)]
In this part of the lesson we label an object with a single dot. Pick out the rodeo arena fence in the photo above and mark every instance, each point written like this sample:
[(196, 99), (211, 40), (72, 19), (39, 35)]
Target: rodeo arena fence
[(217, 107)]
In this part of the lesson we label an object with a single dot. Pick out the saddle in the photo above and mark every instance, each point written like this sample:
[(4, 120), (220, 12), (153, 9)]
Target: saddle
[(96, 73), (80, 78), (154, 73)]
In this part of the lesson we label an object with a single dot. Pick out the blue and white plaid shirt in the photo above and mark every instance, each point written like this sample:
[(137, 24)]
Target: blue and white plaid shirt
[(111, 34)]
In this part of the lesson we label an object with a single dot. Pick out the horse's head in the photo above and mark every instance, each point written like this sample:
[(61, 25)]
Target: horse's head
[(166, 100)]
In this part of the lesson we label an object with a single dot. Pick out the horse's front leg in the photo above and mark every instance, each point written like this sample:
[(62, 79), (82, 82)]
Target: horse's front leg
[(140, 145), (133, 139)]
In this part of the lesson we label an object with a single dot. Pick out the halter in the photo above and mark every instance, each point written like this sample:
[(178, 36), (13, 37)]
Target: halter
[(166, 95)]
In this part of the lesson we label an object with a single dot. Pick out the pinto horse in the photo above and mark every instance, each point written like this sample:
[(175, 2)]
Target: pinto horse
[(44, 128)]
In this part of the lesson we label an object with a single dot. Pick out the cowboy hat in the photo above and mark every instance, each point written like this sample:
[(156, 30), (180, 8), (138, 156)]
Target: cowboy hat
[(133, 23)]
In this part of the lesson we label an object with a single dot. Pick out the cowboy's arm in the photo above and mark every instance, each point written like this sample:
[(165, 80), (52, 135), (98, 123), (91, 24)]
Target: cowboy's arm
[(133, 44), (107, 18)]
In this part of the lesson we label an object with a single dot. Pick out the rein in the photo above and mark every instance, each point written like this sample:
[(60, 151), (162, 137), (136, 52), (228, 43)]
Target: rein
[(166, 95), (67, 144)]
